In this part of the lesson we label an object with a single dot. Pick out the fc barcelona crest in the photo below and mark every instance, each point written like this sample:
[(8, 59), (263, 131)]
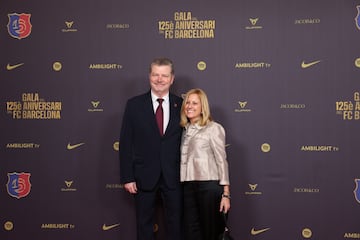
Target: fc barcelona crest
[(19, 25), (18, 185), (357, 190), (357, 18)]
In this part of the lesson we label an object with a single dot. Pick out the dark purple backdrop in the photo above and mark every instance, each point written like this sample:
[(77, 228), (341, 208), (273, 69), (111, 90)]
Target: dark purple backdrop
[(282, 78)]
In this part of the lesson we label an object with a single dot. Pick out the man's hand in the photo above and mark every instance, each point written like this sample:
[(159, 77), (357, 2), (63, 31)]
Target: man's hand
[(131, 187)]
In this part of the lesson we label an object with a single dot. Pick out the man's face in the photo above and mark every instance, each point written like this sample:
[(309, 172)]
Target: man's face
[(161, 79)]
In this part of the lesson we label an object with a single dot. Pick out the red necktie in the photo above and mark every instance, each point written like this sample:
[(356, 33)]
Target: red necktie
[(159, 116)]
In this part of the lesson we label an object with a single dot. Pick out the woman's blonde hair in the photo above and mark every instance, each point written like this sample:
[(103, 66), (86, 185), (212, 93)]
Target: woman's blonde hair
[(205, 116)]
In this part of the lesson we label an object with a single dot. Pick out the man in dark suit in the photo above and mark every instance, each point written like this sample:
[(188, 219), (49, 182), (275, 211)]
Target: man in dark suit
[(150, 154)]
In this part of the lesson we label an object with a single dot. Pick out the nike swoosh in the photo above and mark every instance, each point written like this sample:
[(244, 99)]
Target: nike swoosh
[(105, 228), (71, 147), (12, 67), (256, 232), (306, 65)]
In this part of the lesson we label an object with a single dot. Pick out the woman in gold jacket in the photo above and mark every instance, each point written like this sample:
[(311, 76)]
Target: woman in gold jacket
[(204, 169)]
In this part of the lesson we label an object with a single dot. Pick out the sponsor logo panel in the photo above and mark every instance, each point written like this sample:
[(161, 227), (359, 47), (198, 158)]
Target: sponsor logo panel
[(117, 26), (32, 107), (265, 147), (95, 107), (185, 25), (105, 66), (349, 110), (68, 186), (114, 186), (357, 18), (255, 231), (57, 66), (292, 105), (8, 225), (309, 64), (57, 226), (357, 62), (18, 185), (69, 27), (106, 227), (72, 146), (252, 65), (116, 146), (253, 24), (357, 190), (306, 190), (19, 25), (22, 145), (352, 235), (201, 66), (253, 190), (319, 148), (306, 233), (242, 107), (11, 67), (307, 21)]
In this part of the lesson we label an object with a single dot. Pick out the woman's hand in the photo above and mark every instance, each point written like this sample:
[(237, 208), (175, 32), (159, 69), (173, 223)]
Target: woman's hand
[(224, 204)]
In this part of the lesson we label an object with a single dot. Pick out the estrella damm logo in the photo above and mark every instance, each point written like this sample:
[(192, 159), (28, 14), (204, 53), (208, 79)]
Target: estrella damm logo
[(19, 25), (18, 185), (357, 190), (357, 18)]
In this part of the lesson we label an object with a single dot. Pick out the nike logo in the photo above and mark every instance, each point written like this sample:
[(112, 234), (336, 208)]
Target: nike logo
[(306, 65), (12, 67), (106, 228), (71, 147), (256, 232)]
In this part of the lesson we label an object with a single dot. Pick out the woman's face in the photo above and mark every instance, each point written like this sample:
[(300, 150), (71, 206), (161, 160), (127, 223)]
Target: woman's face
[(193, 108)]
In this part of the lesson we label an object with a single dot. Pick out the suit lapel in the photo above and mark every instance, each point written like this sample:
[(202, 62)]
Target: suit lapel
[(174, 115), (149, 112)]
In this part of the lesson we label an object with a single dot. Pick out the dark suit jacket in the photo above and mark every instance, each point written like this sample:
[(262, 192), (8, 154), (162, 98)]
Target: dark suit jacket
[(144, 154)]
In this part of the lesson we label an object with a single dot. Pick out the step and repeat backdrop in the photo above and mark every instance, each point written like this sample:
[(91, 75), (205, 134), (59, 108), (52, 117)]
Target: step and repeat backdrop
[(282, 77)]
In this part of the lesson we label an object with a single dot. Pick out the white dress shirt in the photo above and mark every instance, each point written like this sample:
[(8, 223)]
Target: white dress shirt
[(165, 106)]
